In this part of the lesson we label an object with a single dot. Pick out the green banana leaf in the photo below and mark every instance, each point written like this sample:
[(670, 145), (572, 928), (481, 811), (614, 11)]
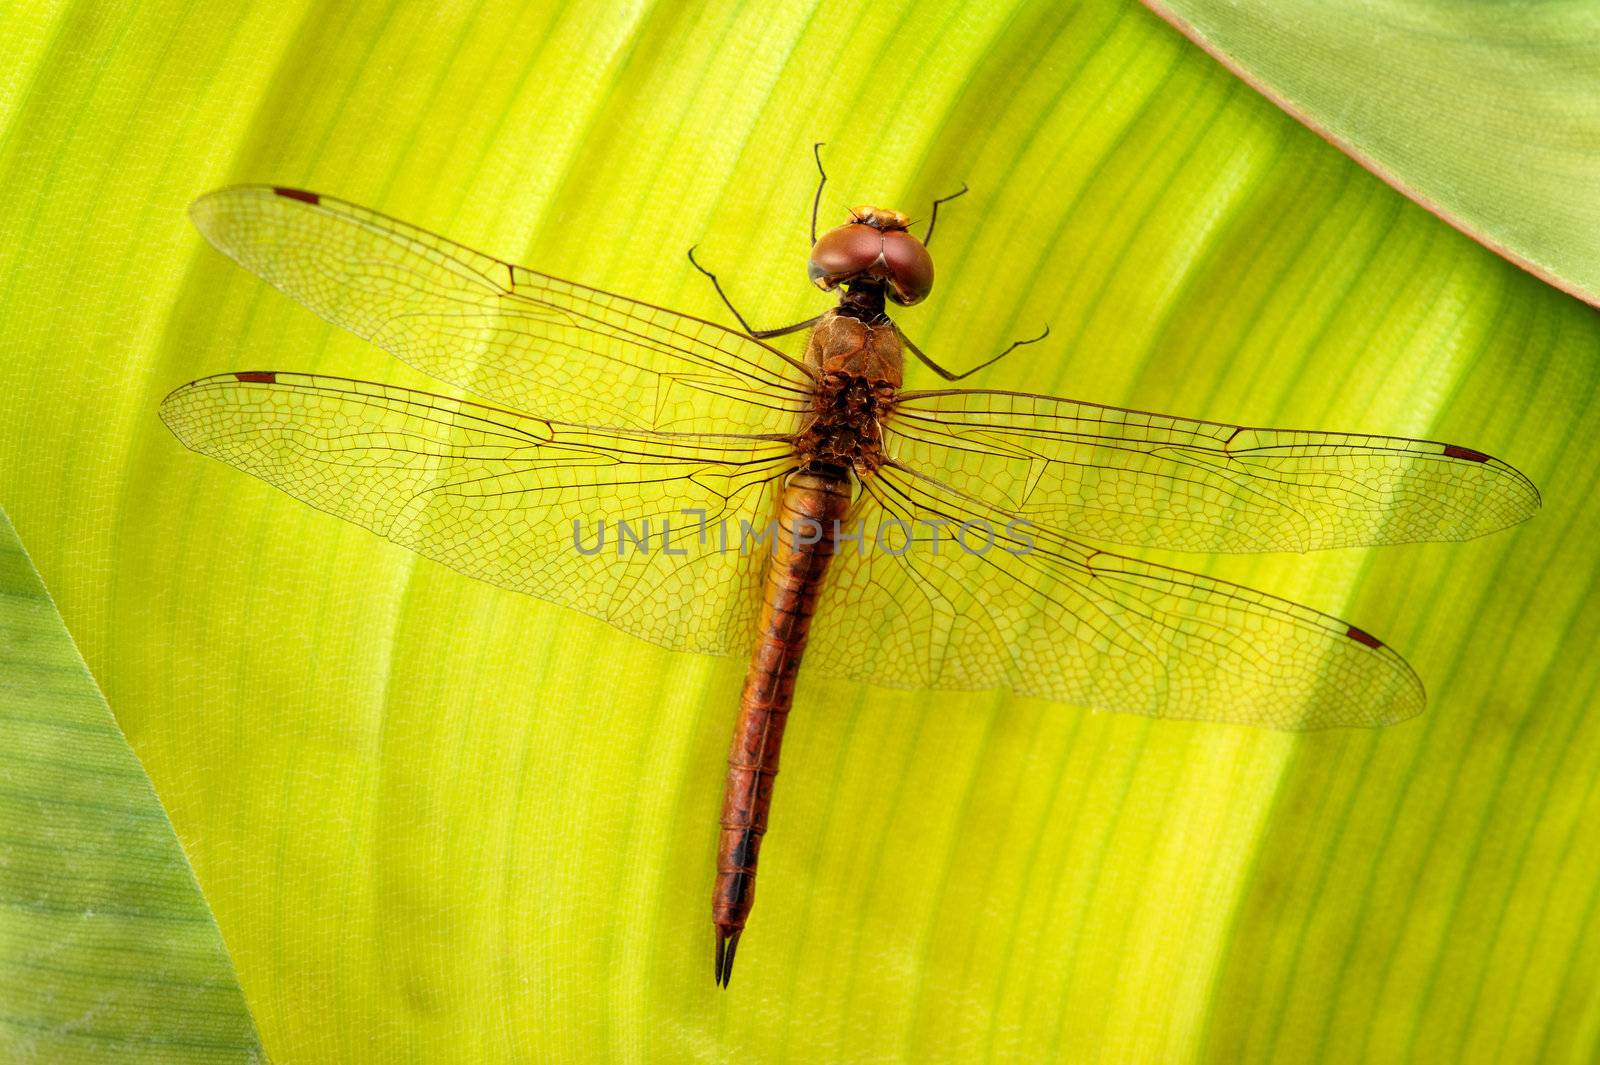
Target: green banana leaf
[(439, 822)]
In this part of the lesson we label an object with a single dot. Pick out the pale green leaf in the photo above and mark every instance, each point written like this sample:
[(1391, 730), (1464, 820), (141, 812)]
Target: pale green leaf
[(1487, 114)]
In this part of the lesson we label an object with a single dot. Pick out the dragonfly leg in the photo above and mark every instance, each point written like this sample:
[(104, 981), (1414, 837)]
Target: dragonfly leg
[(933, 216), (946, 374), (822, 179), (759, 334)]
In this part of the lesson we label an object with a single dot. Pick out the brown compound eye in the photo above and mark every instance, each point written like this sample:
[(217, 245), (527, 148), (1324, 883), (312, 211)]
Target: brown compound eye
[(844, 253), (908, 268)]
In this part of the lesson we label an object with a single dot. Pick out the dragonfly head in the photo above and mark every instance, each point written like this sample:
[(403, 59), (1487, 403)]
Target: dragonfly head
[(876, 244)]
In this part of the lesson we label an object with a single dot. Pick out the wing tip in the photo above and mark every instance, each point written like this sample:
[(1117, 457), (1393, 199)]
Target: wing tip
[(1407, 697), (205, 210), (1521, 487), (172, 398)]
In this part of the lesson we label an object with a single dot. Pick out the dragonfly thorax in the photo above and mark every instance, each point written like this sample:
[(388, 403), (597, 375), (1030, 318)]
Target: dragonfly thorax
[(845, 426), (841, 342)]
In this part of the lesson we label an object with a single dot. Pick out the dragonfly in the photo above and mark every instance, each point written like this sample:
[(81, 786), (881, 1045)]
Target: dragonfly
[(778, 507)]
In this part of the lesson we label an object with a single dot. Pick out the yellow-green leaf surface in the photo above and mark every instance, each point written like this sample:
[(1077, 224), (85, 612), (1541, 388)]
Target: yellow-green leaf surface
[(1488, 114), (440, 822), (107, 950)]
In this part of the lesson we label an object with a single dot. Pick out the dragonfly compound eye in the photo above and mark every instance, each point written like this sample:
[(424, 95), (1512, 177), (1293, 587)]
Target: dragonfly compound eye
[(908, 267), (843, 254), (875, 249)]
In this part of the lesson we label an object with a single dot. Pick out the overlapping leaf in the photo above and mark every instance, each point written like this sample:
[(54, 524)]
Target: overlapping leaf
[(107, 950)]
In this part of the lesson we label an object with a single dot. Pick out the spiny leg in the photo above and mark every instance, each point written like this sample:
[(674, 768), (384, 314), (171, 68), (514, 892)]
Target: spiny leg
[(759, 334), (946, 374), (932, 217), (816, 201)]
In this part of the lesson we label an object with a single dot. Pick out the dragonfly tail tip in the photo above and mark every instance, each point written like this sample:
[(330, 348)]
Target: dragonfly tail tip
[(727, 943)]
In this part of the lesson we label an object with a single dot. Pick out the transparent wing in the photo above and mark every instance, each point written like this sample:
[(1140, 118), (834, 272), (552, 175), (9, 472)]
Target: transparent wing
[(997, 605), (501, 331), (987, 604), (1152, 480), (495, 494)]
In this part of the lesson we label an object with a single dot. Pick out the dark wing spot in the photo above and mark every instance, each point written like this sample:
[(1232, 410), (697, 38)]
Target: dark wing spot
[(1363, 637), (1452, 451), (298, 194), (257, 377)]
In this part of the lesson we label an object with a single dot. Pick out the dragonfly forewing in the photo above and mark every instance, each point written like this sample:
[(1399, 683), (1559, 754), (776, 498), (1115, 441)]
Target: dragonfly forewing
[(504, 332), (1154, 480)]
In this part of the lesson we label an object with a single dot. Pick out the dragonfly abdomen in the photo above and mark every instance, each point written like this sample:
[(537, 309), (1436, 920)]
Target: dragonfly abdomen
[(812, 505)]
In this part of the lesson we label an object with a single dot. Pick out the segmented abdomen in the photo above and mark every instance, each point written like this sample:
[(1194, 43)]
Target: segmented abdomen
[(812, 505)]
